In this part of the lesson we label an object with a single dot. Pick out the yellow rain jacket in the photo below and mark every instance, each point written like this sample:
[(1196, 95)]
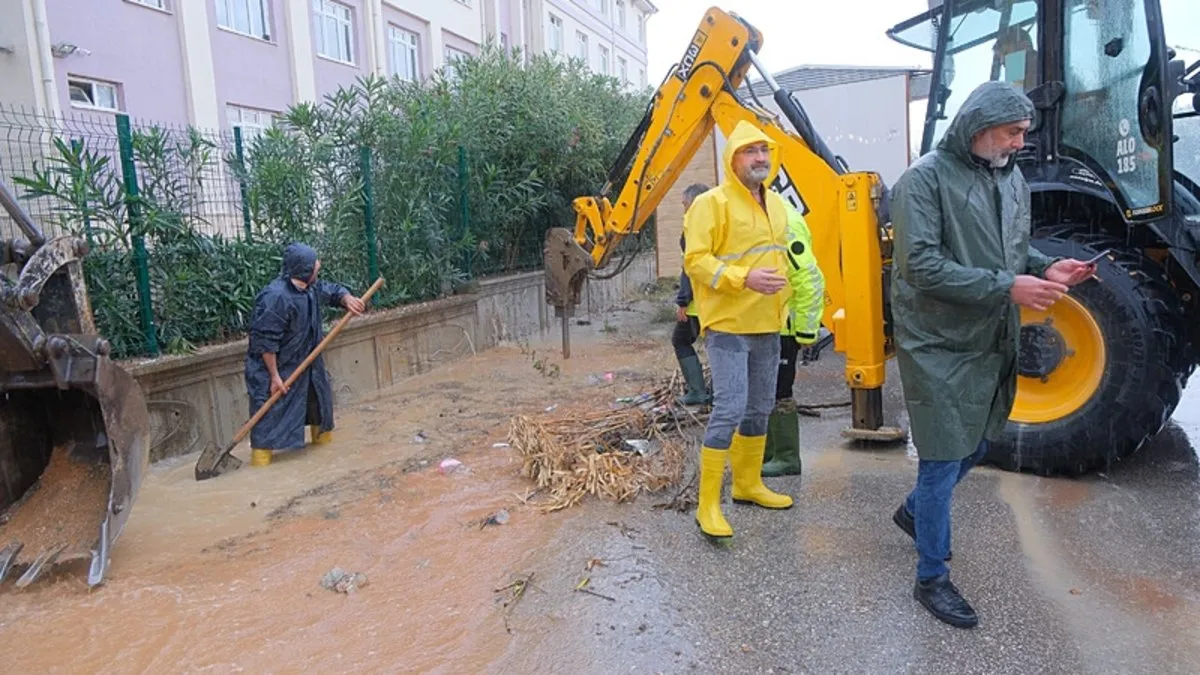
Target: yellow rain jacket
[(807, 282), (727, 235)]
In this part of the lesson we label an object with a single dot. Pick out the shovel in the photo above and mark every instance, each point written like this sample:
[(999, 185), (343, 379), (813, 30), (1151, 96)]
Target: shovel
[(213, 463)]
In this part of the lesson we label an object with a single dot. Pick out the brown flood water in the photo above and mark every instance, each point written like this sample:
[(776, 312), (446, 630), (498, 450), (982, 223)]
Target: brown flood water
[(224, 575)]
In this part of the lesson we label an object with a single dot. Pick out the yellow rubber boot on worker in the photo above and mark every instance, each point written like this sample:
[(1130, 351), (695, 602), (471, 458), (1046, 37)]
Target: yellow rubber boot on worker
[(708, 510), (259, 457), (746, 460), (319, 438)]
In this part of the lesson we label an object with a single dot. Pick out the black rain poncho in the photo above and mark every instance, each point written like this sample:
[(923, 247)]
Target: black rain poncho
[(287, 322), (962, 234)]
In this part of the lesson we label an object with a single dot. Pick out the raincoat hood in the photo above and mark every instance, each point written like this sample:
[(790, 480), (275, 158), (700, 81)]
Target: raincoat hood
[(299, 260), (744, 134), (991, 104)]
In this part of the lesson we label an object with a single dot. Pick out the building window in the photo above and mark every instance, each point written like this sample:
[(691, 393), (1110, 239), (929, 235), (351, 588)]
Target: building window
[(403, 46), (581, 45), (92, 94), (156, 4), (248, 17), (452, 56), (642, 28), (622, 70), (621, 14), (251, 120), (642, 76), (335, 34), (603, 60), (603, 5), (504, 41), (554, 37)]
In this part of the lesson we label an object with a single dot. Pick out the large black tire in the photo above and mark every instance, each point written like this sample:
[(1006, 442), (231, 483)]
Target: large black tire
[(1148, 362)]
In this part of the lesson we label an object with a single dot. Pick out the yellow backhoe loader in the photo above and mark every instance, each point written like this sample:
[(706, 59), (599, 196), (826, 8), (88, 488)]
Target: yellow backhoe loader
[(1102, 371), (74, 427)]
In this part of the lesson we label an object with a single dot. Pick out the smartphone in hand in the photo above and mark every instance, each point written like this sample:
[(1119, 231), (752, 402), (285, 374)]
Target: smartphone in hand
[(1098, 256)]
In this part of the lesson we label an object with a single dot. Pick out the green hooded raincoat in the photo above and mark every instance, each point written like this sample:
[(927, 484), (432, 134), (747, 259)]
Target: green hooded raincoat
[(961, 236)]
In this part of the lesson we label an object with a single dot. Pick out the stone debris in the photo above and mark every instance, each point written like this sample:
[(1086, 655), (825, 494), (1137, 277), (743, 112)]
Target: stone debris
[(341, 581)]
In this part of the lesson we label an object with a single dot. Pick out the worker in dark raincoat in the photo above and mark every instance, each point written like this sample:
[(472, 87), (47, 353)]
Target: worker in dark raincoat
[(284, 329), (962, 266)]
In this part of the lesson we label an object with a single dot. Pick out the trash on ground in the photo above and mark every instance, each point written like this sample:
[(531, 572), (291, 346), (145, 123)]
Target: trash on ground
[(634, 400), (501, 445), (341, 581), (516, 592), (642, 446), (498, 518), (420, 437), (581, 587), (450, 465), (576, 455), (551, 408)]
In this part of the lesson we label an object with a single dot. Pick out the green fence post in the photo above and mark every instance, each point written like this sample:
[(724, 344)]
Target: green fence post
[(464, 206), (369, 212), (76, 147), (241, 161), (140, 258)]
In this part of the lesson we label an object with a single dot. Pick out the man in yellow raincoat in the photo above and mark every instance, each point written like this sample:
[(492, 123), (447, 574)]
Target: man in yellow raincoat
[(736, 257), (803, 324)]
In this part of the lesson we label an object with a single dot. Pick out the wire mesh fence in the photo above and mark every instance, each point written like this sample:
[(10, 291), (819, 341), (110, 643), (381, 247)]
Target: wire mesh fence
[(186, 225)]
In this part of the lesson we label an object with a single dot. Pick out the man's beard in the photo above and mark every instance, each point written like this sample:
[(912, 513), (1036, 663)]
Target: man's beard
[(997, 158), (756, 174)]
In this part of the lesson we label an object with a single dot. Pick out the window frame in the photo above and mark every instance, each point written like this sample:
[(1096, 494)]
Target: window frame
[(225, 7), (75, 80), (555, 29), (327, 11), (396, 39)]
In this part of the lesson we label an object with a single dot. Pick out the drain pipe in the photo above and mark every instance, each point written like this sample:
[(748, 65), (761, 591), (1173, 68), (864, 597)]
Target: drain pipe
[(45, 61)]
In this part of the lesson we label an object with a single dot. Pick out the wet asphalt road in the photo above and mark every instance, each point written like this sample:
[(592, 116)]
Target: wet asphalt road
[(1094, 575)]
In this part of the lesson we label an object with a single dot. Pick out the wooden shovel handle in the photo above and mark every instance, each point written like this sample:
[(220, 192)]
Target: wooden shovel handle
[(241, 434)]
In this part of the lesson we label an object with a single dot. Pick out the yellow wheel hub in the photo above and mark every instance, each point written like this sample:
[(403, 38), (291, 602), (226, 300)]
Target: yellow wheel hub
[(1061, 362)]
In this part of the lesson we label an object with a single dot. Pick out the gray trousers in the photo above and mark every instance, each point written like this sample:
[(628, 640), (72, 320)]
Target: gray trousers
[(744, 369)]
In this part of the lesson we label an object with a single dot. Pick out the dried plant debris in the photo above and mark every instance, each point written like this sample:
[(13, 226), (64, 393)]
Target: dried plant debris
[(611, 454)]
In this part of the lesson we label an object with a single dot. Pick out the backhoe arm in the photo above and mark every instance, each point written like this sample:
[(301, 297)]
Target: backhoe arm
[(677, 121)]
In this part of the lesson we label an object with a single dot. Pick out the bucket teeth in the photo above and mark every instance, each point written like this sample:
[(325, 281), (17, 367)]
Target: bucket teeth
[(44, 559), (7, 556)]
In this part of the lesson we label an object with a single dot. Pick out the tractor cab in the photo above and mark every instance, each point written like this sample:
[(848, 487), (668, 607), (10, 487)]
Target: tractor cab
[(1099, 72)]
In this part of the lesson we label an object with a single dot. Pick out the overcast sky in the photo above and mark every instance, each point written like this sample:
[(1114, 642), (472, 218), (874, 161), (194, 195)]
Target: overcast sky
[(849, 32), (795, 32)]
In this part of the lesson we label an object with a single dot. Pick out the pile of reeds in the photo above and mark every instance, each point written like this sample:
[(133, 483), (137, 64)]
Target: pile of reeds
[(571, 456)]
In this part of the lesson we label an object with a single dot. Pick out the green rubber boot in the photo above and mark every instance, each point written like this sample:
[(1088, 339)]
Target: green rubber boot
[(783, 441), (693, 375)]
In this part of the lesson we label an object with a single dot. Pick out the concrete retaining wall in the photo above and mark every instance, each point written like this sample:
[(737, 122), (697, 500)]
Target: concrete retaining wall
[(200, 399)]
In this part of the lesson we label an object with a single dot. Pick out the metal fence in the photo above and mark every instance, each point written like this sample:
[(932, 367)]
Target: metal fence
[(182, 238)]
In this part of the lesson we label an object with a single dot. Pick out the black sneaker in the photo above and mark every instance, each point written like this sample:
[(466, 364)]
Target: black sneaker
[(904, 520), (943, 600)]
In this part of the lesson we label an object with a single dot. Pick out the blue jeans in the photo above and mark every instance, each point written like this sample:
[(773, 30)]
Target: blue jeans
[(744, 369), (929, 505)]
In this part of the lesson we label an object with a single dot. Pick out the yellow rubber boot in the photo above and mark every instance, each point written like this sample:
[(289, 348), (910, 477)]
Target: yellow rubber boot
[(260, 457), (708, 511), (319, 438), (746, 460)]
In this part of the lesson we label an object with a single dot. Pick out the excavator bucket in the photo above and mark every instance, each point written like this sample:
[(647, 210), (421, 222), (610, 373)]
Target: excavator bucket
[(74, 426)]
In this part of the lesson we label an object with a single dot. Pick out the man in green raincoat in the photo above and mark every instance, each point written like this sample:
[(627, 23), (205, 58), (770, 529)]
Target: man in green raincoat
[(962, 266)]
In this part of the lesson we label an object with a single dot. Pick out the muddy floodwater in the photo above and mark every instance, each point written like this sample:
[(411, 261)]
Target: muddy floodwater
[(1099, 574)]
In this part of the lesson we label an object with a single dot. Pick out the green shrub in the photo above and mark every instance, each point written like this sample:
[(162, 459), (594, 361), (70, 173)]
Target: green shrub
[(533, 134)]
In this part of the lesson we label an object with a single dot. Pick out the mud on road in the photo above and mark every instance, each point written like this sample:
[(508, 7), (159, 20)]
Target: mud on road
[(1093, 575)]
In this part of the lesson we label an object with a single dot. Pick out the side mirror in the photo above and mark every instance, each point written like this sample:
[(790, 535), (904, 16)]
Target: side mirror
[(1047, 94)]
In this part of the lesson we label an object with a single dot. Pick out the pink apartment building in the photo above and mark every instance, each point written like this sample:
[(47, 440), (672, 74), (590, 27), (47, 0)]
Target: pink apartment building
[(219, 63)]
